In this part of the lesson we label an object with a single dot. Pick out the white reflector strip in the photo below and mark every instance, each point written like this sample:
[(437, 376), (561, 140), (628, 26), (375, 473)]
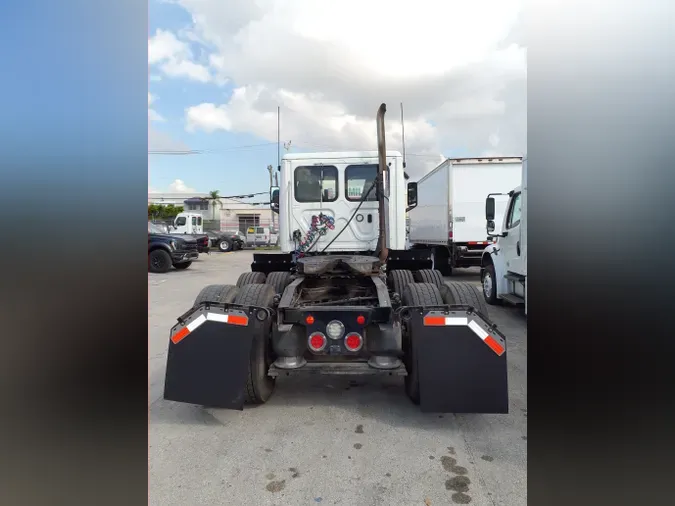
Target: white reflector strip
[(216, 317), (456, 321), (478, 330), (196, 323)]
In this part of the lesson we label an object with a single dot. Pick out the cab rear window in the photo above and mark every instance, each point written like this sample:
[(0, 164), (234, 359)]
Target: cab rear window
[(358, 180), (315, 184)]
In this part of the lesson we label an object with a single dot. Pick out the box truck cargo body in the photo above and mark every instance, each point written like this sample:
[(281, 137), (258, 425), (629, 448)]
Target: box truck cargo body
[(450, 213)]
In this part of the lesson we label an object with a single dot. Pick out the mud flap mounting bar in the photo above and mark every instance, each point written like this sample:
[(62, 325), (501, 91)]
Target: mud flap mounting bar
[(461, 360), (209, 352)]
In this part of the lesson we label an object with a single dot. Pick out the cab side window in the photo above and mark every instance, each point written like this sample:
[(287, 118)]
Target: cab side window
[(514, 212), (180, 221)]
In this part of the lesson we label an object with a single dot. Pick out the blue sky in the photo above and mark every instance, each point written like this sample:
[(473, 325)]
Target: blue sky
[(220, 68), (226, 166)]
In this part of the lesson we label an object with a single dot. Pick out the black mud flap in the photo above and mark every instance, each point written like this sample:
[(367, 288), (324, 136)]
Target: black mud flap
[(209, 353), (461, 361)]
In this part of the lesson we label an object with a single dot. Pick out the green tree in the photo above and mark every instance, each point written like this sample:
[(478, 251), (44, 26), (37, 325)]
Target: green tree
[(161, 212), (214, 195)]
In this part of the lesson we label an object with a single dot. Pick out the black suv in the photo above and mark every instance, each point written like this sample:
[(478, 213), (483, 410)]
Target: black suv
[(165, 250)]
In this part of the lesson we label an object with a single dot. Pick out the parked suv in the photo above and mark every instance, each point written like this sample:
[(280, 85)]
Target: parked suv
[(165, 250)]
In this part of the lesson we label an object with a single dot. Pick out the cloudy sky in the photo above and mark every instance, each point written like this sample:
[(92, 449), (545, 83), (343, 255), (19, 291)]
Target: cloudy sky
[(220, 68)]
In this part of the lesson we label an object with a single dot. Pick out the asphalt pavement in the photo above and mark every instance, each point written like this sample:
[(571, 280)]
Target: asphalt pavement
[(324, 440)]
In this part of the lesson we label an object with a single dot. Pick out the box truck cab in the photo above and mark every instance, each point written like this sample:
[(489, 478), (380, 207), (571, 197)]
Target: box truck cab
[(504, 263), (188, 223)]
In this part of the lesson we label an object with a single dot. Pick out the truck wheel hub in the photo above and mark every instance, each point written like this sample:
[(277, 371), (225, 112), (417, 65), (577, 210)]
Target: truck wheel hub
[(487, 283)]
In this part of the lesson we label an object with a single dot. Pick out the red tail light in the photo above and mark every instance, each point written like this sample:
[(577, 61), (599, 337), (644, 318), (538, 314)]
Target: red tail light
[(450, 235), (361, 320), (317, 341), (353, 341), (309, 320)]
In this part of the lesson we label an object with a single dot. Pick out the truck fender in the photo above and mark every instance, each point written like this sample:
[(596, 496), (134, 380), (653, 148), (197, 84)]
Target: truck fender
[(159, 245), (493, 255)]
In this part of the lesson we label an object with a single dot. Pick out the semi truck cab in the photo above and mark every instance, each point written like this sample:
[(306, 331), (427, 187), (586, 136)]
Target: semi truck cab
[(331, 187)]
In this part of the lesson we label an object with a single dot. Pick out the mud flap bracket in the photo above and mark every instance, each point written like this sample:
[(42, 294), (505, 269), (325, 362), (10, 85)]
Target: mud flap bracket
[(461, 361), (209, 354)]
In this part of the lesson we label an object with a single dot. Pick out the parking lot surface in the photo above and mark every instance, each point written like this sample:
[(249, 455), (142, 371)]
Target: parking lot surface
[(323, 440)]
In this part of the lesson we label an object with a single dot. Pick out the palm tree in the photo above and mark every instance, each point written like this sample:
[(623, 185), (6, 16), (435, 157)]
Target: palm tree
[(215, 196)]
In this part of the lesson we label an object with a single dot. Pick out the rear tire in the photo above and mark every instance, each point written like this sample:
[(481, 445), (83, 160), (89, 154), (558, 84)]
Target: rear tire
[(182, 266), (225, 245), (159, 261), (259, 386), (217, 293), (416, 294), (279, 280), (465, 294), (429, 276), (398, 280), (251, 278)]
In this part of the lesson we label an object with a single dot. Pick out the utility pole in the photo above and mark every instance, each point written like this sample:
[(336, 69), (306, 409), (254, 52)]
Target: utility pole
[(271, 171)]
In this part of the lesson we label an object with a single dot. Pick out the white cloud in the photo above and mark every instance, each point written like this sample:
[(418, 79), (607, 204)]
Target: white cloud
[(179, 186), (459, 67), (152, 114), (174, 57)]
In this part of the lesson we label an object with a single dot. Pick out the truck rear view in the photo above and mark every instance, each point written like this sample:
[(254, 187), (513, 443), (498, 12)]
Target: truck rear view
[(450, 216), (344, 296)]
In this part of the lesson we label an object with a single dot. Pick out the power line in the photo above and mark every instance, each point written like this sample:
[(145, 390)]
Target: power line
[(208, 151)]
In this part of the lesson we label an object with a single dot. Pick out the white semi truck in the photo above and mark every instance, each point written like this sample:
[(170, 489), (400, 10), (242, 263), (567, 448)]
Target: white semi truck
[(449, 219), (344, 296), (504, 263)]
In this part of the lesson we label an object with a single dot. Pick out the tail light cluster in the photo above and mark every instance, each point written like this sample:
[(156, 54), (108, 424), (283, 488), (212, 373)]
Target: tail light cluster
[(335, 331)]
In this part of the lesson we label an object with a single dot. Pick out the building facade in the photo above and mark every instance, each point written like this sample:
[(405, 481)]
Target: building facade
[(225, 215)]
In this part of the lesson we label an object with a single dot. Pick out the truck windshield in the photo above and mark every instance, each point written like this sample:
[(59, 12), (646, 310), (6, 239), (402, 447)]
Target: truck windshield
[(316, 184), (155, 229), (358, 180)]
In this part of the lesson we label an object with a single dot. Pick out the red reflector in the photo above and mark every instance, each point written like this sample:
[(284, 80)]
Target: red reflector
[(496, 347), (434, 321), (180, 335), (361, 320), (450, 235), (317, 341), (309, 320), (237, 320), (353, 342)]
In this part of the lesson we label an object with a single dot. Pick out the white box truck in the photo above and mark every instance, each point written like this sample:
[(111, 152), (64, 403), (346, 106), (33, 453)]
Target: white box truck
[(450, 213)]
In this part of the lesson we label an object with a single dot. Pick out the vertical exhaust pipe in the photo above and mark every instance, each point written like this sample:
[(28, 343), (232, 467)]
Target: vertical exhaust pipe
[(382, 250)]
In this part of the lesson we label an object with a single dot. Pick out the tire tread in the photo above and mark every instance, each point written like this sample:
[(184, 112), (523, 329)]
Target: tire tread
[(261, 295), (251, 278), (461, 292)]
